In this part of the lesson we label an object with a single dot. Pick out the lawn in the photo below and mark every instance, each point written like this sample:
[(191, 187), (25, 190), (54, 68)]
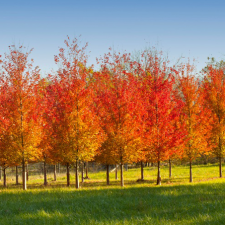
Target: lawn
[(175, 202)]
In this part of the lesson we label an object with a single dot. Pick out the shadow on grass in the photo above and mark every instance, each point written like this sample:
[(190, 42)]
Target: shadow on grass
[(87, 183), (96, 184), (183, 204)]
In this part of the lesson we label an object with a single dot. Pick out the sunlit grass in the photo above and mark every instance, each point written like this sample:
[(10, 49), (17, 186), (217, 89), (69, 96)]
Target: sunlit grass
[(201, 203), (175, 202)]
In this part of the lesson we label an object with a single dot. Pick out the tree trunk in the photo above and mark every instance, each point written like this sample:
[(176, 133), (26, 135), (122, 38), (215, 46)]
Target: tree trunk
[(152, 164), (170, 169), (27, 173), (45, 175), (55, 178), (159, 175), (142, 171), (107, 174), (116, 174), (17, 176), (82, 173), (24, 176), (4, 174), (121, 175), (220, 166), (86, 165), (77, 175), (68, 174), (191, 179), (0, 172)]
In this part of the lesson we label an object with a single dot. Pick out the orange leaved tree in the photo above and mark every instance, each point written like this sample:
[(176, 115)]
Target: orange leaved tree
[(214, 93), (193, 117), (75, 134), (20, 109)]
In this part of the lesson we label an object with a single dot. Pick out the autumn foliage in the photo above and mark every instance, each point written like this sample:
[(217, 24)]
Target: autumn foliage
[(127, 111)]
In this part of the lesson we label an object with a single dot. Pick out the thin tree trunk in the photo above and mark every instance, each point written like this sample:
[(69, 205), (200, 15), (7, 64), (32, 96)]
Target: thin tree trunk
[(24, 176), (82, 173), (170, 169), (116, 174), (191, 179), (68, 174), (220, 166), (77, 175), (0, 172), (45, 174), (55, 178), (17, 176), (86, 165), (4, 174), (107, 174), (121, 175), (159, 175), (27, 173)]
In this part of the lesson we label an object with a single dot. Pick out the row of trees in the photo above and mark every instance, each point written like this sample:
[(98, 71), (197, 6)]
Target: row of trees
[(127, 111)]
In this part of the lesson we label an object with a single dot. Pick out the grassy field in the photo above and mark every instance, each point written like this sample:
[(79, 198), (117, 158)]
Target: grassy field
[(175, 202)]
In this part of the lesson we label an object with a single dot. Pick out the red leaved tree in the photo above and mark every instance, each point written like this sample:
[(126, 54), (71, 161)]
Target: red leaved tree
[(114, 106), (160, 110)]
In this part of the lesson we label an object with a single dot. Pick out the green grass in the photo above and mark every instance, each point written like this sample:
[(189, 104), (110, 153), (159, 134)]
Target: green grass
[(175, 202)]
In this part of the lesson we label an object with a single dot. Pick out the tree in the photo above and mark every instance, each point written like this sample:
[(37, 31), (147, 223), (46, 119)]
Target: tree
[(75, 134), (6, 154), (214, 93), (159, 109), (114, 105), (20, 110), (189, 91)]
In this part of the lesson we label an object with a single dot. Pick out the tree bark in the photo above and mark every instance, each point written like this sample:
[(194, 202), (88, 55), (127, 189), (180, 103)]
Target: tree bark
[(116, 174), (82, 173), (170, 169), (24, 176), (17, 176), (0, 172), (107, 174), (68, 174), (142, 170), (121, 175), (4, 174), (191, 179), (55, 178), (45, 175), (77, 175), (27, 173), (159, 175), (220, 166)]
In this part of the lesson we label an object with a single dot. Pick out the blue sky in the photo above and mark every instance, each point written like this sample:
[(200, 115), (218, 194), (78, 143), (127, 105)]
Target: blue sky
[(194, 29)]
